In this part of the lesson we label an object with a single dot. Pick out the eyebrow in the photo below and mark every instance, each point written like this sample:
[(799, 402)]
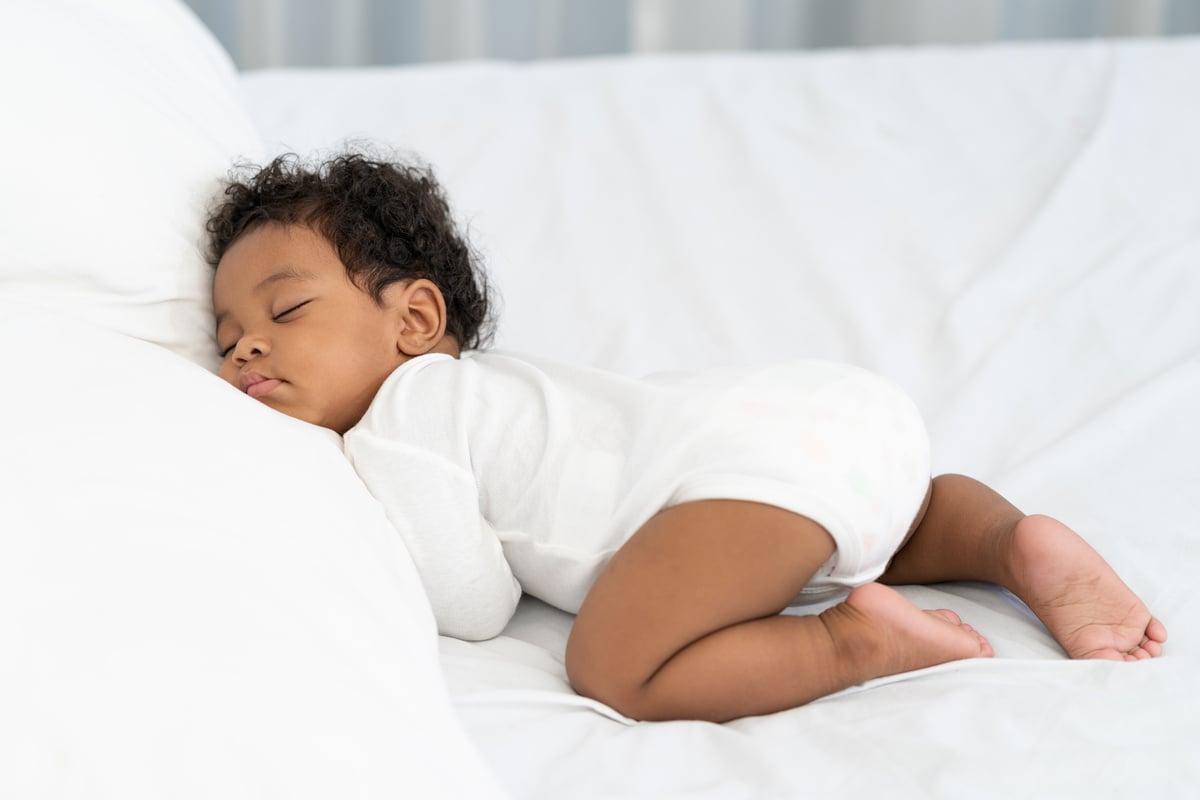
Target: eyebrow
[(285, 274)]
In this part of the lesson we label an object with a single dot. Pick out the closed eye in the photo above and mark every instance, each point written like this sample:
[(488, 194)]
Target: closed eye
[(279, 317)]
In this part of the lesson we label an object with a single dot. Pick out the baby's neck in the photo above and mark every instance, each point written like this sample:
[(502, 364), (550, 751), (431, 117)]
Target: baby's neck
[(447, 345)]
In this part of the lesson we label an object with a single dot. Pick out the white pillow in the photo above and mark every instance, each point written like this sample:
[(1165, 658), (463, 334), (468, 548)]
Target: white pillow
[(198, 597), (120, 118)]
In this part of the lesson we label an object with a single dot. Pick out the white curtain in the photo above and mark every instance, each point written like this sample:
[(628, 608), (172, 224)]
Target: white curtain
[(269, 33)]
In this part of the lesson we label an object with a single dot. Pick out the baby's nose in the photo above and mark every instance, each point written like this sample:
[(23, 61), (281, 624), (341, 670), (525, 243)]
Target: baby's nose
[(249, 347)]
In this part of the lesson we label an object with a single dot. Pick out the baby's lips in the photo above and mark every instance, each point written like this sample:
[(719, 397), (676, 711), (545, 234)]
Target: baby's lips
[(262, 387), (257, 385)]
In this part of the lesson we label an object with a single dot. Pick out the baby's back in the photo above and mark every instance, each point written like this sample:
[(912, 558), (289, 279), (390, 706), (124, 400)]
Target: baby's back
[(570, 461)]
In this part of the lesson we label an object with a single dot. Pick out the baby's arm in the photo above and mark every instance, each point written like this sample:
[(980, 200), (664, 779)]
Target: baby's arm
[(434, 506)]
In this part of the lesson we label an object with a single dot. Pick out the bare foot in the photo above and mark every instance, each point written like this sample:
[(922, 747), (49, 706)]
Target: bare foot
[(879, 630), (1078, 596)]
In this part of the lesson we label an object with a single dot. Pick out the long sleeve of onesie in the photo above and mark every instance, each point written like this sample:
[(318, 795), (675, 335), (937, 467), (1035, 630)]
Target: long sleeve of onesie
[(433, 503)]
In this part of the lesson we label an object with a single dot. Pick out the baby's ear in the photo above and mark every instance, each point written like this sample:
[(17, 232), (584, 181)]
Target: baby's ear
[(421, 315)]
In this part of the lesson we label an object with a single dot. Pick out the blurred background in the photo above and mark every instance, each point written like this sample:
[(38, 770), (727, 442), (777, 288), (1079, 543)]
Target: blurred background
[(321, 33)]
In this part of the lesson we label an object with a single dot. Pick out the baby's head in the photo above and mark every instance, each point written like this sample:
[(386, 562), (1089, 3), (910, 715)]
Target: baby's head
[(328, 277)]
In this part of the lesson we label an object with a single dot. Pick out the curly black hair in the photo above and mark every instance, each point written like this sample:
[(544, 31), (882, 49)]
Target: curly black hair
[(387, 221)]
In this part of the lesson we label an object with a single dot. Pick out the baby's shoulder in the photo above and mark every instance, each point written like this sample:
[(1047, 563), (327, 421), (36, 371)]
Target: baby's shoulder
[(441, 385)]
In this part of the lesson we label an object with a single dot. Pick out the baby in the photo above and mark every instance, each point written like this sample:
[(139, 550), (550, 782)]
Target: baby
[(676, 515)]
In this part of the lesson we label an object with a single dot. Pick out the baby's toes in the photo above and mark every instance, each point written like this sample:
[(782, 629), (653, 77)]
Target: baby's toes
[(985, 647), (1151, 648), (946, 614)]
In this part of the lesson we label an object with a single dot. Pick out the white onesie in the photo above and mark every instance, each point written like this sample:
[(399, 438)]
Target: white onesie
[(503, 474)]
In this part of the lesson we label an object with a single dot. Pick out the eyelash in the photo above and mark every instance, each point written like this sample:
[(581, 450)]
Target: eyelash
[(277, 318), (284, 313)]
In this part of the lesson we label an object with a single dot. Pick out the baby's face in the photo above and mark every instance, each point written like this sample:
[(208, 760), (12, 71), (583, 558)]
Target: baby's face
[(295, 333)]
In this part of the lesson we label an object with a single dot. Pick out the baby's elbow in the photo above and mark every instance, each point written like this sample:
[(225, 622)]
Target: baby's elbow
[(489, 630), (480, 628), (483, 620)]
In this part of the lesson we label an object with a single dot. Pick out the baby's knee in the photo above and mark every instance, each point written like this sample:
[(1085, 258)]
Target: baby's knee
[(596, 669)]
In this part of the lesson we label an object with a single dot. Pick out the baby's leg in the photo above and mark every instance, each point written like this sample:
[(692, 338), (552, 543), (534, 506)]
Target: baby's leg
[(684, 622), (969, 532)]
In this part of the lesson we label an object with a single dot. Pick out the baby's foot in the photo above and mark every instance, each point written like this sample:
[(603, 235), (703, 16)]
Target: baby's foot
[(881, 633), (1078, 596)]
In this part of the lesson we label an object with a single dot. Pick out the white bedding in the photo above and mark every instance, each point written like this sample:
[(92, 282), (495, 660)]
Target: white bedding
[(1012, 233), (199, 599)]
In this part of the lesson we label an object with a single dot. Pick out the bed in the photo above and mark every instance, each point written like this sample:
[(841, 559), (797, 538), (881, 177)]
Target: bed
[(198, 598)]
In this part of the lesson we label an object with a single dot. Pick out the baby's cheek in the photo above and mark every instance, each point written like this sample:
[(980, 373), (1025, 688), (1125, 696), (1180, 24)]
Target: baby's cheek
[(228, 373)]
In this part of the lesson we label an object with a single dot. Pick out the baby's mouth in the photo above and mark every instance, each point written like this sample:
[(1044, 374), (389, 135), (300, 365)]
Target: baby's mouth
[(263, 387), (257, 385)]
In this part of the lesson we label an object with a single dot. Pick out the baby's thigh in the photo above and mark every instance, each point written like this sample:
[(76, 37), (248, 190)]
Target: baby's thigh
[(690, 570)]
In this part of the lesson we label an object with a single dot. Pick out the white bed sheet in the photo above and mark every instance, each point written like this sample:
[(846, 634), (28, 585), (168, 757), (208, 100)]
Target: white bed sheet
[(1012, 233)]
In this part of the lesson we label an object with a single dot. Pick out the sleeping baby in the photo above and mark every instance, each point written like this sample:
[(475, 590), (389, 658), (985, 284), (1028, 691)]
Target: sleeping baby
[(676, 515)]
